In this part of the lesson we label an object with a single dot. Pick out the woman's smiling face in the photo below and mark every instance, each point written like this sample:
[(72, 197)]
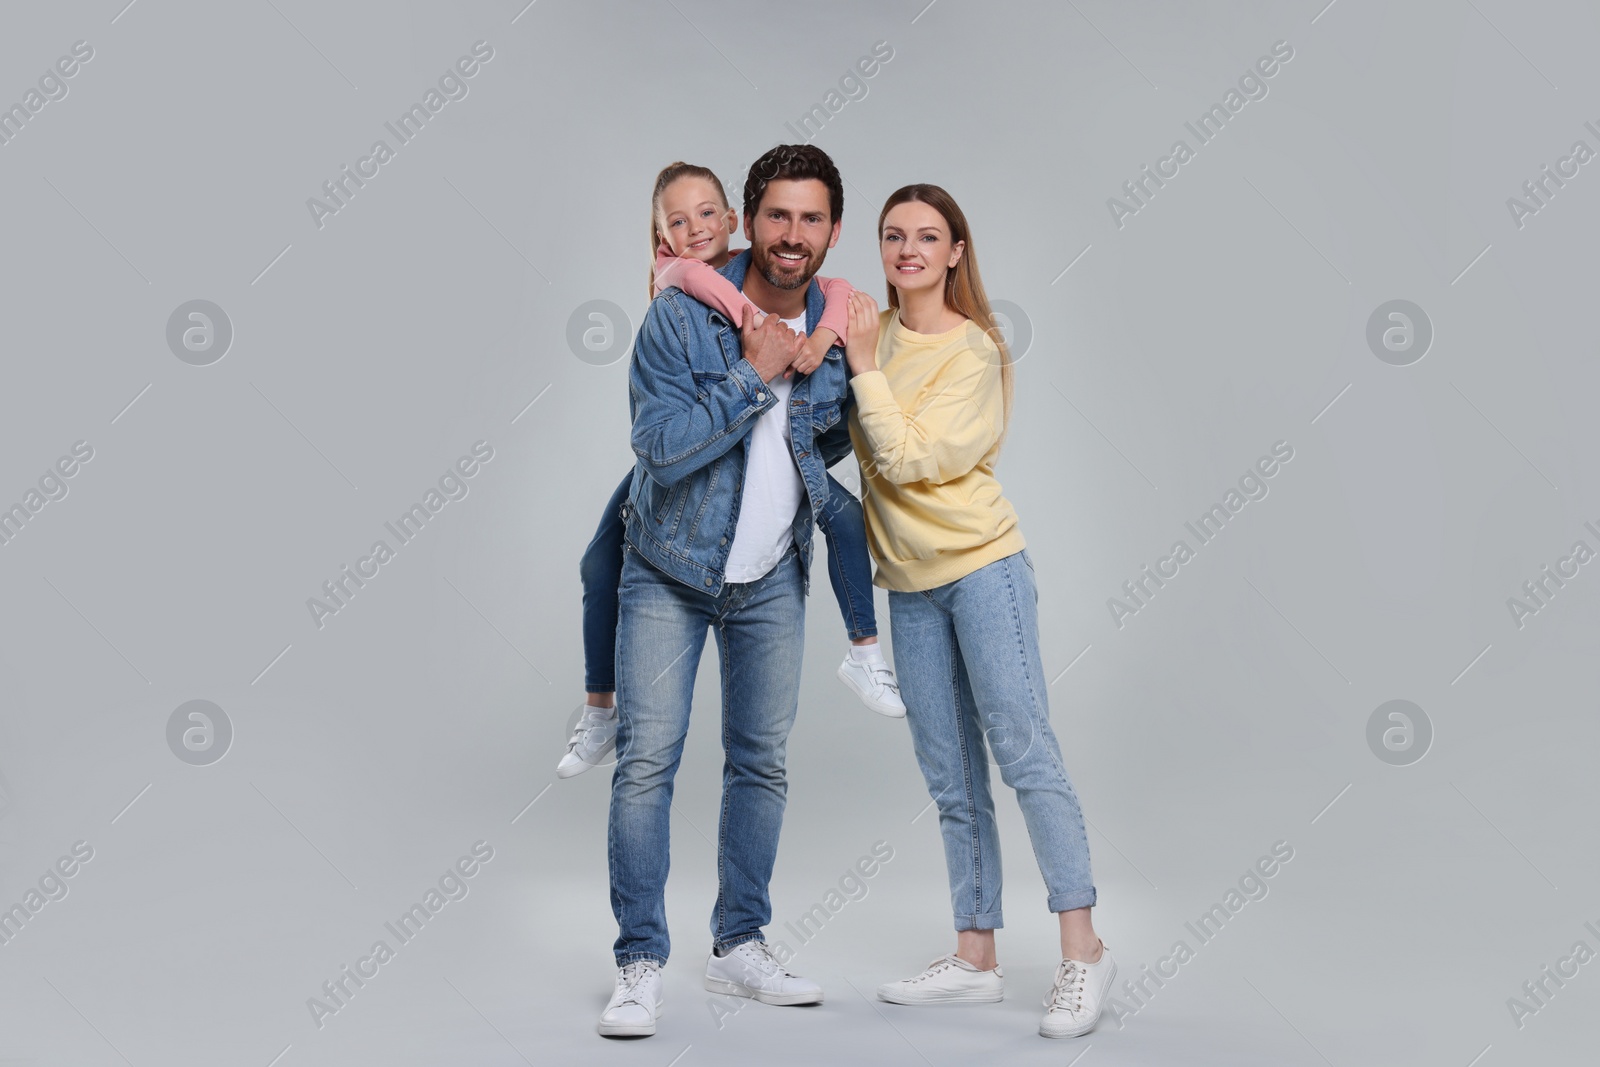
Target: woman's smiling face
[(916, 247), (693, 219)]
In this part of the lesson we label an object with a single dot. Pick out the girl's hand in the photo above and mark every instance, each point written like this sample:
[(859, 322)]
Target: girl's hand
[(861, 349), (815, 350), (760, 316)]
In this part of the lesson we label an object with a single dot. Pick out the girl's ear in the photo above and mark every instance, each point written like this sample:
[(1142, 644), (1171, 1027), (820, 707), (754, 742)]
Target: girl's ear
[(731, 221)]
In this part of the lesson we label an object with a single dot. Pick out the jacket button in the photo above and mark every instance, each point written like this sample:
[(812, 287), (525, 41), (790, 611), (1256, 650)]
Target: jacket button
[(708, 581), (760, 397), (723, 541)]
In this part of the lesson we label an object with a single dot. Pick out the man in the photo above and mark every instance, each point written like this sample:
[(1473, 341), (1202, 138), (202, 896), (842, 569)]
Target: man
[(731, 469)]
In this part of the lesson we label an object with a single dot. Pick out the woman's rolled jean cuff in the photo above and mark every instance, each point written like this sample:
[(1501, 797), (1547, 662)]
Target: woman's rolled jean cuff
[(1081, 898), (857, 632), (992, 920)]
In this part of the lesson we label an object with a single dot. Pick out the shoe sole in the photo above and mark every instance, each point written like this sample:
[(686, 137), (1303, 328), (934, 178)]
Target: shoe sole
[(943, 998), (736, 989), (882, 709), (1092, 1023), (631, 1030)]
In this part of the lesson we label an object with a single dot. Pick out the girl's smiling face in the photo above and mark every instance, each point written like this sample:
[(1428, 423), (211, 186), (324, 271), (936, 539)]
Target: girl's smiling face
[(694, 220), (916, 247)]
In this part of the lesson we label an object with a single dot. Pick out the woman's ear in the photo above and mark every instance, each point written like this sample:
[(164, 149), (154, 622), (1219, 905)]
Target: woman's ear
[(955, 253)]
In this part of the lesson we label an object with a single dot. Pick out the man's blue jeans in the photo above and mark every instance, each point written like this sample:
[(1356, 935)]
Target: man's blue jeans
[(760, 632), (967, 656)]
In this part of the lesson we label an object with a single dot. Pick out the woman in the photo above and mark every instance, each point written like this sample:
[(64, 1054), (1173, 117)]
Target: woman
[(933, 396)]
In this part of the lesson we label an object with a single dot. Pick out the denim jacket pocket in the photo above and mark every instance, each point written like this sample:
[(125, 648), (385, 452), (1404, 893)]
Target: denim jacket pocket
[(663, 503)]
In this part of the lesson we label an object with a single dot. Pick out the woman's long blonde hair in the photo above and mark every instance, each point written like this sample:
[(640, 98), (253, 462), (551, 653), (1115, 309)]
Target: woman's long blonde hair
[(963, 286), (669, 174)]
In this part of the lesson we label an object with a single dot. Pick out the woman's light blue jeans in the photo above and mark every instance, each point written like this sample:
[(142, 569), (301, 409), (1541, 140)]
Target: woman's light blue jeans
[(967, 655)]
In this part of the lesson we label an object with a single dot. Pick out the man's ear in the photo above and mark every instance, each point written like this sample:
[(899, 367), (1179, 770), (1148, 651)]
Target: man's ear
[(833, 239)]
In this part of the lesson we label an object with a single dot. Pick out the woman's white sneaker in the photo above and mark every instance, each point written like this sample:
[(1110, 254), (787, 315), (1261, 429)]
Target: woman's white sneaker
[(635, 1005), (751, 970), (592, 740), (1077, 996), (948, 978)]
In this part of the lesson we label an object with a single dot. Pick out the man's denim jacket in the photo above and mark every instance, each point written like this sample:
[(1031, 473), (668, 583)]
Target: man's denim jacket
[(694, 400)]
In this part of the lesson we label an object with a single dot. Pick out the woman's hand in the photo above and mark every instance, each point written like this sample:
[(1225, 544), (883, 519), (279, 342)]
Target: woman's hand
[(861, 348)]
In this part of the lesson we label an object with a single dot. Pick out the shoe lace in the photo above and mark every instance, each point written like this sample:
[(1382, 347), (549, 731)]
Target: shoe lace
[(629, 979), (1066, 994), (763, 958), (937, 967)]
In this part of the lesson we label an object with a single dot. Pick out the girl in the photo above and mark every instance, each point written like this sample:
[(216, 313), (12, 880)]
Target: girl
[(933, 397), (689, 230)]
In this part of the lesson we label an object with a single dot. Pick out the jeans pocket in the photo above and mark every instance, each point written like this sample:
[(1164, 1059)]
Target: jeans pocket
[(1028, 560)]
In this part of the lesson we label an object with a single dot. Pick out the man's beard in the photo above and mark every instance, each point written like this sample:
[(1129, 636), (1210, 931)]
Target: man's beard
[(787, 281)]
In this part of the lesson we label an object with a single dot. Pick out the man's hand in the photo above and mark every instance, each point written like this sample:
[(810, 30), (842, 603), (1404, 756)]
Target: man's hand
[(861, 348), (770, 347)]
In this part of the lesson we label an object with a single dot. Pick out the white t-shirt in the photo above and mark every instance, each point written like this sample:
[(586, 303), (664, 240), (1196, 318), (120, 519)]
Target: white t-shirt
[(772, 487)]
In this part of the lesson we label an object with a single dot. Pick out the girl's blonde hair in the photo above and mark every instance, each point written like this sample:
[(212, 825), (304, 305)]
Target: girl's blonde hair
[(963, 287), (669, 174)]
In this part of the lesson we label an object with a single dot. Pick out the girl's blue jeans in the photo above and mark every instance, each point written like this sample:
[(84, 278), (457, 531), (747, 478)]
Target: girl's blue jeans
[(849, 572)]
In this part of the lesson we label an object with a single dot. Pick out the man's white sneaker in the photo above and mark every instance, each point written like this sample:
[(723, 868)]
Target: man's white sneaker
[(874, 682), (751, 970), (592, 740), (948, 978), (636, 1005), (1079, 992)]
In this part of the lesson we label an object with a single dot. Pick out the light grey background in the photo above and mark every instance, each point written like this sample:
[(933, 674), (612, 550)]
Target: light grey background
[(432, 311)]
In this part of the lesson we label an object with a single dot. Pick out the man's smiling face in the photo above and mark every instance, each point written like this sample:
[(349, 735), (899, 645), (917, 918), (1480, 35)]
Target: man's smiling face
[(790, 232)]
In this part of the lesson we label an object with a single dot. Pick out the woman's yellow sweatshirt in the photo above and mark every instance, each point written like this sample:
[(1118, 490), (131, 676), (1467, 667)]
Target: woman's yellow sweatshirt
[(926, 428)]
